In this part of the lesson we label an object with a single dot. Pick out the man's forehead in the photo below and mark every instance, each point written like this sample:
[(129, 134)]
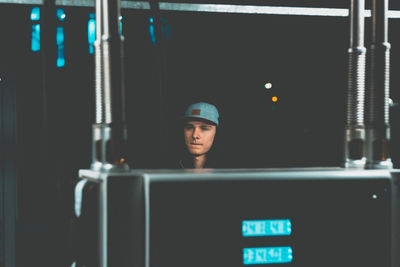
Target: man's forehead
[(198, 123)]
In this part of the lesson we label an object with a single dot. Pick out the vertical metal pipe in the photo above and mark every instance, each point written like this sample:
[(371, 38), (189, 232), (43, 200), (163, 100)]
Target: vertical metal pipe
[(109, 130), (377, 119), (354, 127), (99, 64), (103, 223), (112, 62), (99, 97)]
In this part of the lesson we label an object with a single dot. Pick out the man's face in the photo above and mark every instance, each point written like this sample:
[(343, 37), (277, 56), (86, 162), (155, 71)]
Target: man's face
[(199, 137)]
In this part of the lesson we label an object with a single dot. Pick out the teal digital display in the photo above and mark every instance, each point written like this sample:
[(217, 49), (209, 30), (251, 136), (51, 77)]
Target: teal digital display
[(266, 227), (267, 255)]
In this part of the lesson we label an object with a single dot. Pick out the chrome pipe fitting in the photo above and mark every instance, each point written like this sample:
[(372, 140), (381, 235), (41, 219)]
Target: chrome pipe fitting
[(377, 119), (354, 141), (109, 138)]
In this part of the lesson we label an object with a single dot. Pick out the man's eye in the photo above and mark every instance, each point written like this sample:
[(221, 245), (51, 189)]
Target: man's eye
[(205, 128)]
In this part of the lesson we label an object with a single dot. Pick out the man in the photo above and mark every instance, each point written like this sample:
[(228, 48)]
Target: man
[(199, 131)]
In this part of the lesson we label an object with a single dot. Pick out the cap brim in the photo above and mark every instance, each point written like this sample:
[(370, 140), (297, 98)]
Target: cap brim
[(187, 118)]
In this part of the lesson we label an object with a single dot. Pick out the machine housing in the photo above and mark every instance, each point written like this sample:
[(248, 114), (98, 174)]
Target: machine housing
[(235, 217)]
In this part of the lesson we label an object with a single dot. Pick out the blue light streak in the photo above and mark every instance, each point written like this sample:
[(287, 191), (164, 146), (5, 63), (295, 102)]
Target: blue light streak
[(35, 36), (152, 33), (91, 32), (61, 14), (35, 14), (60, 47), (35, 40), (120, 24)]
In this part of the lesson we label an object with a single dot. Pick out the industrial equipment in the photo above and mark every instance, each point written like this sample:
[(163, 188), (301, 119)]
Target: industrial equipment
[(291, 217)]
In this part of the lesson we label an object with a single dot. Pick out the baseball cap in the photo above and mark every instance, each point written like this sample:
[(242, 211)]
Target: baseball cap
[(203, 110)]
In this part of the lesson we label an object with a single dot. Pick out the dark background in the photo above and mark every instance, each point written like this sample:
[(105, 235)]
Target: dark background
[(222, 58)]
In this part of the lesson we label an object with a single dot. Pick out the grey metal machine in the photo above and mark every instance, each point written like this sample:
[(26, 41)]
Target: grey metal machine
[(274, 217)]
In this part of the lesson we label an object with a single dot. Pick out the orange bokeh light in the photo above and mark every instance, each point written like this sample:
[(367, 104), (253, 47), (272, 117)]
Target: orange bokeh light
[(274, 99)]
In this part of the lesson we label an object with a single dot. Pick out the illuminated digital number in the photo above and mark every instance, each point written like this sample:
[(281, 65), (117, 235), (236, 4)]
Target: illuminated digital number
[(266, 227), (267, 255)]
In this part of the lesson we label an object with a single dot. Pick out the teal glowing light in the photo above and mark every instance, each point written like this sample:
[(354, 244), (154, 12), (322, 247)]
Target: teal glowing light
[(120, 24), (60, 47), (267, 255), (35, 36), (266, 227), (91, 32), (166, 30), (35, 14), (152, 33), (61, 14), (35, 41), (60, 39)]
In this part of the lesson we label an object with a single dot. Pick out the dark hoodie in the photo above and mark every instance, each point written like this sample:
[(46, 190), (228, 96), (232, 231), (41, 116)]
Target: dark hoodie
[(187, 162)]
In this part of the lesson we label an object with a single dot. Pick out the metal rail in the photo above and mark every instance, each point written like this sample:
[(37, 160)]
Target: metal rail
[(214, 8)]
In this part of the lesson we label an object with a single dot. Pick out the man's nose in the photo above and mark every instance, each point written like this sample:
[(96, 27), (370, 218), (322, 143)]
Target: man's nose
[(195, 134)]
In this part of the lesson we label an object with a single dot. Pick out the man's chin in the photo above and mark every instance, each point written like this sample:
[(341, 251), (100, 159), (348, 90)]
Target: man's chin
[(197, 152), (195, 155)]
